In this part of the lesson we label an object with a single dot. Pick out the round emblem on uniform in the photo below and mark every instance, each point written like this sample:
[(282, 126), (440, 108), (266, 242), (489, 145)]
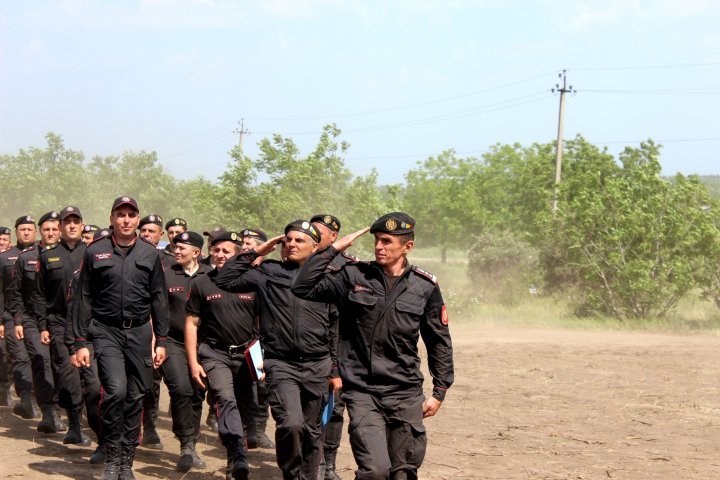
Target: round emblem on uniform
[(177, 222), (125, 199), (28, 218), (233, 236), (305, 225), (391, 224), (69, 209), (327, 219), (151, 218), (185, 236)]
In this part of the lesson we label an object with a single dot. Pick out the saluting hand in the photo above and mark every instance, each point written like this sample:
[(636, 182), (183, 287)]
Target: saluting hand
[(269, 246), (159, 356), (347, 241)]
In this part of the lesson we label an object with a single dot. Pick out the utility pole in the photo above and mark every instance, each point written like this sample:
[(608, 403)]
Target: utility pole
[(242, 132), (558, 158)]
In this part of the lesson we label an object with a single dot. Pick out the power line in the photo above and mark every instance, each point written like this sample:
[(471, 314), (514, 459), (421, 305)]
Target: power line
[(665, 91), (646, 67)]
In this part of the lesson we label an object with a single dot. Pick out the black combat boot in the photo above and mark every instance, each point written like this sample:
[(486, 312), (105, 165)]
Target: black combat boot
[(47, 423), (263, 441), (75, 436), (150, 438), (25, 407), (112, 463), (211, 421), (127, 455), (185, 462), (99, 455), (251, 436), (238, 468), (330, 465), (197, 461)]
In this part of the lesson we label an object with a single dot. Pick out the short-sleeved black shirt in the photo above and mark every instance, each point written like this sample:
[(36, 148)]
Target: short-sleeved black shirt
[(178, 287)]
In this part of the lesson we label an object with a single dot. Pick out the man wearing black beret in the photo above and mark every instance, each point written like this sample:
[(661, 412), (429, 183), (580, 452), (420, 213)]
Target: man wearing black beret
[(219, 327), (173, 227), (296, 336), (186, 397), (151, 230), (35, 334), (88, 233), (21, 371), (4, 238), (385, 304)]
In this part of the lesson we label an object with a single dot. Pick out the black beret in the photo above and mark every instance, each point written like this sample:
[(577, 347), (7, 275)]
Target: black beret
[(25, 220), (120, 201), (190, 238), (394, 223), (69, 211), (104, 232), (214, 232), (91, 228), (329, 221), (54, 216), (4, 231), (305, 227), (174, 222), (254, 233), (151, 219), (226, 237)]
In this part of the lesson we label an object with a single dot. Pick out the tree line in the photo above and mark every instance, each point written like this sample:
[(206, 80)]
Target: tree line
[(625, 240)]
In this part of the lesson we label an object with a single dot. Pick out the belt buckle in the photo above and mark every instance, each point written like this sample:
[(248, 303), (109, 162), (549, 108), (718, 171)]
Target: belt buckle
[(234, 350), (127, 323)]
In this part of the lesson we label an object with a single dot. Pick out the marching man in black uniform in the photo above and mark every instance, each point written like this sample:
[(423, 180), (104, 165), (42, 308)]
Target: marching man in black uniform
[(385, 306), (121, 285), (186, 396), (35, 334), (296, 336), (21, 371), (57, 265)]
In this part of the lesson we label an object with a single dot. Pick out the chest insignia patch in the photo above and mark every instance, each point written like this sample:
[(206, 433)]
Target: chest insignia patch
[(53, 259), (176, 289), (362, 289), (214, 296), (103, 256), (246, 297)]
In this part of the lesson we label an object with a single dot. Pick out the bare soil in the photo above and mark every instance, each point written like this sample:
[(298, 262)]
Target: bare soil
[(526, 404)]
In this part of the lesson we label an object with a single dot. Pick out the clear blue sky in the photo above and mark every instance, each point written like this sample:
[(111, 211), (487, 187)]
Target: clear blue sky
[(402, 79)]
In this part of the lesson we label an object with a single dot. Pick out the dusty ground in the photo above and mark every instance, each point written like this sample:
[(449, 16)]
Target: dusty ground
[(527, 404)]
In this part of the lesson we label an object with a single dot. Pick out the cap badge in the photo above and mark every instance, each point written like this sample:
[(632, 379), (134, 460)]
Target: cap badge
[(177, 222), (233, 236), (53, 215), (327, 219), (391, 224), (69, 209), (28, 218), (185, 236), (151, 218), (305, 225), (125, 199)]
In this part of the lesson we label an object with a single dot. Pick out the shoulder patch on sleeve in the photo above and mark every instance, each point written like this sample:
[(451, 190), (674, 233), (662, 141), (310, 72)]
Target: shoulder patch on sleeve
[(425, 274)]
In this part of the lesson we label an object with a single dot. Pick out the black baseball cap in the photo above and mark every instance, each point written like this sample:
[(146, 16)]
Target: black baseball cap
[(124, 200), (69, 211)]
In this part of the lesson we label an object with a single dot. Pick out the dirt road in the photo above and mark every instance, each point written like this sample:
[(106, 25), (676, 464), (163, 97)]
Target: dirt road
[(527, 404)]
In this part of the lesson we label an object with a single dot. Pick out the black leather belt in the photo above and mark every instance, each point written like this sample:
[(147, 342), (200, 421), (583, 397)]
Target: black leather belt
[(232, 350)]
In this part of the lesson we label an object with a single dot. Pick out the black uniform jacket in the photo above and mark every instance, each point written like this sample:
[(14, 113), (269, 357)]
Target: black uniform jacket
[(226, 319), (7, 265), (167, 257), (291, 328), (178, 288), (55, 268), (121, 291), (23, 285), (379, 330)]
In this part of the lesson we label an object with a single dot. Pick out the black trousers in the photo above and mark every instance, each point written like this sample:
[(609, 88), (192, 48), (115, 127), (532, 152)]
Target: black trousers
[(333, 430), (151, 401), (186, 396), (19, 358), (296, 393), (387, 434), (230, 382), (40, 364), (124, 359), (75, 386)]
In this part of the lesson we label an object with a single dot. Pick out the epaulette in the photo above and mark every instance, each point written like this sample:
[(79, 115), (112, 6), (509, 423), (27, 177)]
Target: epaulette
[(49, 247), (351, 258), (425, 274), (29, 249)]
